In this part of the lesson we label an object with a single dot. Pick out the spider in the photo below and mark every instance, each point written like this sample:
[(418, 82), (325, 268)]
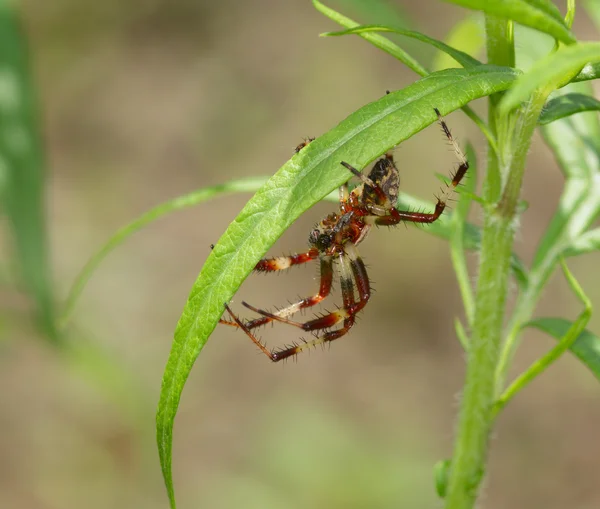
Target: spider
[(333, 242)]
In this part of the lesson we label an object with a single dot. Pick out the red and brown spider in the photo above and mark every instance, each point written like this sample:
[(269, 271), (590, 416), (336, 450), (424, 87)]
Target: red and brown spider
[(333, 242)]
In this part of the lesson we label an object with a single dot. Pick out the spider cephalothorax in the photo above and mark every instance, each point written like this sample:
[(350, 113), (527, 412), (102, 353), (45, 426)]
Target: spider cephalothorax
[(333, 242)]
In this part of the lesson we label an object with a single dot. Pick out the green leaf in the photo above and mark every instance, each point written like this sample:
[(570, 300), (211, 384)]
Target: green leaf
[(303, 181), (539, 14), (376, 40), (586, 347), (551, 72), (575, 142), (379, 10), (22, 165), (586, 243), (467, 35), (566, 105), (565, 342), (461, 57), (397, 52)]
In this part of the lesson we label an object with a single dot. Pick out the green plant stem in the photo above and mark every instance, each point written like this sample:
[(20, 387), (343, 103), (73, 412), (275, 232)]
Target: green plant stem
[(476, 415)]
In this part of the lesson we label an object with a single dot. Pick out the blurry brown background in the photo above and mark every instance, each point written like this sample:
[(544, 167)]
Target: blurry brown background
[(146, 100)]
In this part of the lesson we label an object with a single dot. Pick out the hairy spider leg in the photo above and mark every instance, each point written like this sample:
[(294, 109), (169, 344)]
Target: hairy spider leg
[(392, 215), (284, 262), (326, 272), (351, 266), (349, 263)]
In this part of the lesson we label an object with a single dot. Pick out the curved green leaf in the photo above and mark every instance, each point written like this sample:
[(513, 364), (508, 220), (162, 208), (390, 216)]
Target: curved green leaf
[(551, 71), (461, 57), (378, 10), (22, 165), (303, 181), (397, 52), (567, 105), (376, 40), (539, 14), (179, 203), (586, 347)]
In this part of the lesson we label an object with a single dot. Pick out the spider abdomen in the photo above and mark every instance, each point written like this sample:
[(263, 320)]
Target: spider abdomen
[(385, 175)]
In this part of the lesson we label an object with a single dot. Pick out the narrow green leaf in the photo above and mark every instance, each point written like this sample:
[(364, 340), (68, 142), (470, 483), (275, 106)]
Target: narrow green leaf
[(376, 40), (22, 165), (539, 14), (306, 179), (567, 105), (586, 347), (377, 11), (586, 243), (551, 71), (179, 203), (548, 7), (570, 16), (575, 141), (565, 342), (467, 35), (397, 52), (461, 57)]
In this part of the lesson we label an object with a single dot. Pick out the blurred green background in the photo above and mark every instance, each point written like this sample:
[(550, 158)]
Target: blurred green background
[(148, 99)]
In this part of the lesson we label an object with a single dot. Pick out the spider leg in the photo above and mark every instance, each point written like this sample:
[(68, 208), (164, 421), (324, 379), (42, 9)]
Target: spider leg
[(254, 339), (395, 216), (326, 271), (350, 264), (349, 301), (285, 262), (274, 264)]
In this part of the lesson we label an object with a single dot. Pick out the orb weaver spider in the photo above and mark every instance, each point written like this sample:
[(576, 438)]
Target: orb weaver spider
[(333, 242)]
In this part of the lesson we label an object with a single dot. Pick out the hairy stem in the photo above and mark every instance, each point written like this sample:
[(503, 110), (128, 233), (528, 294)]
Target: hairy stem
[(476, 416), (507, 165)]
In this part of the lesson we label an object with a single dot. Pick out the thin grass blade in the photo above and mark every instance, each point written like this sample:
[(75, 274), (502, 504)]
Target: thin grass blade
[(22, 166)]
